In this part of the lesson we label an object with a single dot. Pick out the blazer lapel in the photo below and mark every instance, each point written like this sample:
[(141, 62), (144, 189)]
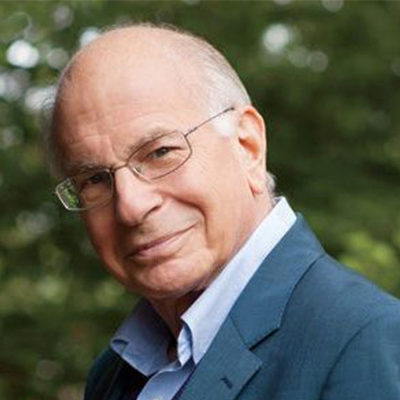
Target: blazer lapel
[(260, 308), (229, 363), (217, 377)]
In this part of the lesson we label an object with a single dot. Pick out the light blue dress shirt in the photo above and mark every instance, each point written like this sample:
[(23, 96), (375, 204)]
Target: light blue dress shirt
[(143, 338)]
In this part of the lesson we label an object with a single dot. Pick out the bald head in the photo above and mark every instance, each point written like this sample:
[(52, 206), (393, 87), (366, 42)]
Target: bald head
[(121, 52), (193, 65), (196, 63)]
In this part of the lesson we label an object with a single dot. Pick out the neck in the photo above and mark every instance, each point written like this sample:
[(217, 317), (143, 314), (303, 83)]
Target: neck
[(170, 310)]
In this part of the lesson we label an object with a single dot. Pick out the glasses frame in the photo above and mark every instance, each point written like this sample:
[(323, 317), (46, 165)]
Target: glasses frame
[(111, 171)]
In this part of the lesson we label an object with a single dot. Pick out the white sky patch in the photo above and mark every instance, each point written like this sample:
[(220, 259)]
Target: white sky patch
[(298, 57), (63, 16), (318, 61), (33, 223), (57, 58), (3, 84), (88, 35), (22, 54), (276, 37), (37, 97), (10, 87), (332, 5), (10, 136)]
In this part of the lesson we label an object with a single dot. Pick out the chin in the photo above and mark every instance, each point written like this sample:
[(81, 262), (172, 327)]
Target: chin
[(168, 280), (170, 289), (167, 291)]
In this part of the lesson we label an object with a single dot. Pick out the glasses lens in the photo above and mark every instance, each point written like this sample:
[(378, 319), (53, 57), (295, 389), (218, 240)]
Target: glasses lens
[(85, 191), (161, 156)]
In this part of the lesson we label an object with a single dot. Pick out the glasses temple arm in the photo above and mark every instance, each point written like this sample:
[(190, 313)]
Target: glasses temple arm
[(208, 120)]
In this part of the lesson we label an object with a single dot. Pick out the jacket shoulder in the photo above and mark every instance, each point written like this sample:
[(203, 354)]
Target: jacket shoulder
[(101, 374), (338, 289), (332, 304)]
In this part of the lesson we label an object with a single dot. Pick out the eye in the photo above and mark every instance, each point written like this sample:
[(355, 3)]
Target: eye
[(96, 179), (160, 152)]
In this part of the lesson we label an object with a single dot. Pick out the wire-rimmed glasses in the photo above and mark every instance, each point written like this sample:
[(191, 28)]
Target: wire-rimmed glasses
[(154, 159)]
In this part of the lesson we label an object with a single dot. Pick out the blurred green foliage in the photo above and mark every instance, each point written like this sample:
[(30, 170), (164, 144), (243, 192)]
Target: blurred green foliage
[(326, 76)]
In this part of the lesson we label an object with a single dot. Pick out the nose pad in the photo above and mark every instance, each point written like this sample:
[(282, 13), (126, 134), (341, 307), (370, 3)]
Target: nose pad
[(135, 198)]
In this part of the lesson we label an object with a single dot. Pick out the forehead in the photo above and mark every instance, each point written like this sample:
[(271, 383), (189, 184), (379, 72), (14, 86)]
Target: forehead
[(103, 113)]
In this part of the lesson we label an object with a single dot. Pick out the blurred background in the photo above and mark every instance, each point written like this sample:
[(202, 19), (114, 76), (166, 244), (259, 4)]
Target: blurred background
[(326, 76)]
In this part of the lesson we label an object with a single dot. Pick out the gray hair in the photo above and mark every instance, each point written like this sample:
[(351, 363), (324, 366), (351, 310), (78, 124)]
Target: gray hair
[(220, 88)]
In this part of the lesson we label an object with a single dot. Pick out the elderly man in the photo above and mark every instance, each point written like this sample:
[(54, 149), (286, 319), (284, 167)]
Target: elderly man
[(163, 155)]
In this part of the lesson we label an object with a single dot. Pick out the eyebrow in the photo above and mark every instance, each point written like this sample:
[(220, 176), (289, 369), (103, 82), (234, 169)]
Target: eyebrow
[(79, 167), (76, 168)]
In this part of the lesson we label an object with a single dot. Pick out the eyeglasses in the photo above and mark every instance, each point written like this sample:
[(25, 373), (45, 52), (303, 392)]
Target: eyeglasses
[(153, 160)]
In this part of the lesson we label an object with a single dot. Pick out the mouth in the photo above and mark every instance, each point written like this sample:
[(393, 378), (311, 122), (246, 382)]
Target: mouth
[(161, 247)]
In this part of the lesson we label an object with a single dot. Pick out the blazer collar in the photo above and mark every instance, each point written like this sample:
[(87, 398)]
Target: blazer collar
[(229, 363), (259, 310)]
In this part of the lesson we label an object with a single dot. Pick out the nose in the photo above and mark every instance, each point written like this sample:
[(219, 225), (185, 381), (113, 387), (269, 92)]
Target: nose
[(134, 198)]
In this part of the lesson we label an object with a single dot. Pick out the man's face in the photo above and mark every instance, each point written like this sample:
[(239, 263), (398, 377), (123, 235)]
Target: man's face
[(168, 237)]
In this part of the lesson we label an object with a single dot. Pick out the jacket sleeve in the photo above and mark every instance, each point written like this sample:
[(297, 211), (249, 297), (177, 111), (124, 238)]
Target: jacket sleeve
[(368, 368)]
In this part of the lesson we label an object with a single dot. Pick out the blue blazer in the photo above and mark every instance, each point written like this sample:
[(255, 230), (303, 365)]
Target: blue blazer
[(304, 328)]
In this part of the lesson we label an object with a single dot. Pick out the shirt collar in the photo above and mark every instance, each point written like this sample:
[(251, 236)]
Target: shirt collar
[(143, 339)]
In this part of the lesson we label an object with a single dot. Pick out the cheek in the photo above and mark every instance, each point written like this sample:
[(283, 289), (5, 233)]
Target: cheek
[(101, 229), (103, 234), (215, 188)]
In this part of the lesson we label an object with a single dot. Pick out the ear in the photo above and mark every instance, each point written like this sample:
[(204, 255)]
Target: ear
[(251, 137)]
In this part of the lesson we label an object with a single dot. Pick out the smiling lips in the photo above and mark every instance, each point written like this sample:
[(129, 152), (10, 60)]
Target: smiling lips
[(159, 247)]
